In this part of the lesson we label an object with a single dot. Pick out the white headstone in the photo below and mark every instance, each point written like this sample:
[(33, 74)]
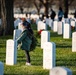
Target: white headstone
[(1, 68), (20, 27), (67, 20), (70, 16), (0, 22), (49, 52), (32, 16), (36, 16), (16, 15), (55, 23), (73, 23), (60, 28), (60, 71), (47, 21), (11, 52), (37, 20), (74, 42), (51, 23), (67, 31), (41, 26), (28, 20), (45, 37), (21, 15), (16, 34), (16, 22)]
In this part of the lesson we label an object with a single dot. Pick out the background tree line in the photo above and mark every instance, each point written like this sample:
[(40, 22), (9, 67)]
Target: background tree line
[(6, 10)]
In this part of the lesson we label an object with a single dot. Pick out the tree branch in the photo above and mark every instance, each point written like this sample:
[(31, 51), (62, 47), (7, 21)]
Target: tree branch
[(42, 2), (70, 2), (36, 5)]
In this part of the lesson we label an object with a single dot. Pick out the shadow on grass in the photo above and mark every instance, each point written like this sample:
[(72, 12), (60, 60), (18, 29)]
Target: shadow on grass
[(2, 53), (33, 62), (74, 72), (65, 62), (63, 46), (21, 60), (55, 34), (30, 74), (2, 46)]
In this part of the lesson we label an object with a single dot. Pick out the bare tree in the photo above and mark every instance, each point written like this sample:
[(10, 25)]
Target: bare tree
[(45, 3), (0, 9), (7, 16), (37, 5), (70, 2), (67, 3), (65, 8)]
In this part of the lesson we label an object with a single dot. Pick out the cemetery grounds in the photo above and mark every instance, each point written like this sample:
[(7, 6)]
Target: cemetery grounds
[(64, 56)]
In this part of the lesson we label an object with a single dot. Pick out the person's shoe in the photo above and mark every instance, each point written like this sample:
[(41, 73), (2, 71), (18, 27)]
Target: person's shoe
[(28, 64)]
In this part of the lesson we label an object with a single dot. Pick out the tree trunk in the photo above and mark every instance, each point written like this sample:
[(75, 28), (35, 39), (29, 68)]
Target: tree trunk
[(37, 7), (65, 8), (7, 16), (46, 4), (46, 7), (0, 9)]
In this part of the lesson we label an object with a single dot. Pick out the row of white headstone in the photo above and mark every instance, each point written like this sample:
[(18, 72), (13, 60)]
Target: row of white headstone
[(62, 29), (48, 21), (59, 27), (49, 56), (70, 21), (49, 49), (66, 31), (33, 16), (17, 33)]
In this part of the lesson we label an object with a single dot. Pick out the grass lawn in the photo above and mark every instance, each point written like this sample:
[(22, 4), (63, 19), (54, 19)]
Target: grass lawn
[(64, 56)]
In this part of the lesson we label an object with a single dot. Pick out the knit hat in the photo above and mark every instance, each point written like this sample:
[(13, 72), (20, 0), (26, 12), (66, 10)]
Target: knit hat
[(25, 23)]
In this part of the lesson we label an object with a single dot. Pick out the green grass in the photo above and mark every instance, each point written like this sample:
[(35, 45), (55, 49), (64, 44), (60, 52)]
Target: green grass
[(64, 56)]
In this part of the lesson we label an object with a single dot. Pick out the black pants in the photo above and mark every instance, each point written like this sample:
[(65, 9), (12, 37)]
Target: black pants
[(27, 56)]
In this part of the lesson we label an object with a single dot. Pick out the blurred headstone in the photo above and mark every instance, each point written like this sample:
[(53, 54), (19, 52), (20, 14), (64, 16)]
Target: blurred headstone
[(49, 52)]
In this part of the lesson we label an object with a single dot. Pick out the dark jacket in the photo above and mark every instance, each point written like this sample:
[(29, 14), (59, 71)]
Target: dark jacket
[(53, 14), (25, 40)]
